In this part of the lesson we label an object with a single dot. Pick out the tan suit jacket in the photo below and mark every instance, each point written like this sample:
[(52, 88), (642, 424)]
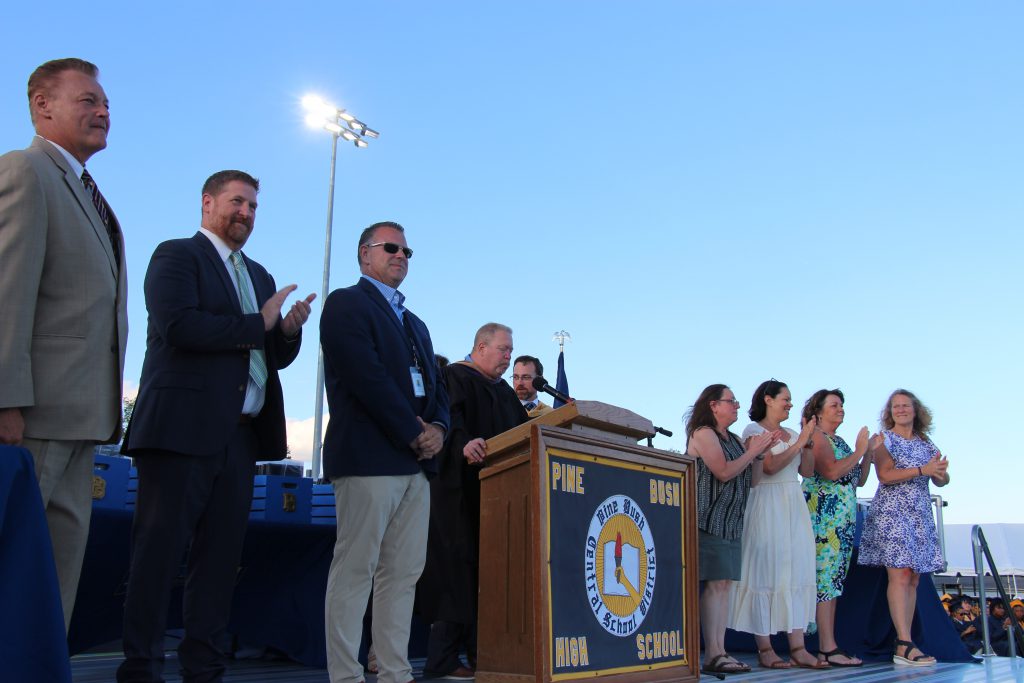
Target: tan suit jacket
[(62, 302)]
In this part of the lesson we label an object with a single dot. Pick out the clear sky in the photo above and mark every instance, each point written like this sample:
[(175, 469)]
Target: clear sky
[(828, 193)]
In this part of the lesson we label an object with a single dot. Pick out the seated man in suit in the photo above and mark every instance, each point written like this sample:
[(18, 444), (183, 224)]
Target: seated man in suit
[(523, 371), (389, 415), (209, 405)]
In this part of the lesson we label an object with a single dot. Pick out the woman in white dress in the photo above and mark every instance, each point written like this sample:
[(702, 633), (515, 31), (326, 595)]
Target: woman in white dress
[(777, 590)]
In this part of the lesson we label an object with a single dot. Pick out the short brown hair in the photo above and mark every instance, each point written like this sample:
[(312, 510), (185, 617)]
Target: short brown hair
[(367, 234), (538, 367), (816, 403), (42, 79), (215, 183)]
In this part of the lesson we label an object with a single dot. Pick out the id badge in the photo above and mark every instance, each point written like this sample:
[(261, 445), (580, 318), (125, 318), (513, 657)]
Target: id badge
[(418, 389)]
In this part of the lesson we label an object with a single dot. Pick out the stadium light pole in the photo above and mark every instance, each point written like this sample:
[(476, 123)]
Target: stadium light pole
[(340, 124)]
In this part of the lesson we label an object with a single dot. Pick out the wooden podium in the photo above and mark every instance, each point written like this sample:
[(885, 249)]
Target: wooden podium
[(588, 553)]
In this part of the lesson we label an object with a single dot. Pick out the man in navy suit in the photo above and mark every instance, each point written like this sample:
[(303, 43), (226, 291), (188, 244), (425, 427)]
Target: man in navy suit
[(209, 405), (389, 415)]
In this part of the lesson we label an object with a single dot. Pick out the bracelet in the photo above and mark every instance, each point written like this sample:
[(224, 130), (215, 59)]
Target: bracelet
[(919, 472)]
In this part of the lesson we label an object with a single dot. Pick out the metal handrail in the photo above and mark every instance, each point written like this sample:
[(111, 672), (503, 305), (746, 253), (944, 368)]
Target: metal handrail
[(940, 527), (982, 553)]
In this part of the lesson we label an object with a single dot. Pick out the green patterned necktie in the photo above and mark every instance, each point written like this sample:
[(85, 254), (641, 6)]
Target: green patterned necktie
[(257, 358)]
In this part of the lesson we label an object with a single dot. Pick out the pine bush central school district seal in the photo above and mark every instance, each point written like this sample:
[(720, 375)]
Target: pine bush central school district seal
[(620, 565)]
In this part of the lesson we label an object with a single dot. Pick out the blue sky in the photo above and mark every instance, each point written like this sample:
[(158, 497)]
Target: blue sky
[(824, 192)]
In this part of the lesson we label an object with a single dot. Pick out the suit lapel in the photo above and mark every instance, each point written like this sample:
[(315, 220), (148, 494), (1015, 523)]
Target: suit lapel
[(210, 251), (259, 286), (77, 189), (378, 300)]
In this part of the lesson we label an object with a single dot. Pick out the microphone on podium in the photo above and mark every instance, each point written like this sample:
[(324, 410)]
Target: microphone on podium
[(541, 384)]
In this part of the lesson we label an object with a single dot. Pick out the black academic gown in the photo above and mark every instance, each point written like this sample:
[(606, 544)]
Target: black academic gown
[(479, 408)]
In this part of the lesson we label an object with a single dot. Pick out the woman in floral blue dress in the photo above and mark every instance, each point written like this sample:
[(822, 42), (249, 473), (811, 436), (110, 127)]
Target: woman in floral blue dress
[(831, 496), (899, 533)]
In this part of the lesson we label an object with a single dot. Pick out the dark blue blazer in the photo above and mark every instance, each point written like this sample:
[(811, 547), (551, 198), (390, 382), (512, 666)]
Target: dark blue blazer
[(367, 357), (197, 356)]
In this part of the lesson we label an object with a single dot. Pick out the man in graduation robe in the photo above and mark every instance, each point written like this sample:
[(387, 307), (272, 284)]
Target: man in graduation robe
[(482, 405)]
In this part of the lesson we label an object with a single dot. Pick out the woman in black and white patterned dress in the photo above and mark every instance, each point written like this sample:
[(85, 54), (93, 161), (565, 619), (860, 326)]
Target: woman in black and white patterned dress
[(723, 482)]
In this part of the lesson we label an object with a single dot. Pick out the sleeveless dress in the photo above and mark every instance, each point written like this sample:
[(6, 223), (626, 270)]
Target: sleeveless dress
[(777, 589), (900, 529), (720, 512), (833, 507)]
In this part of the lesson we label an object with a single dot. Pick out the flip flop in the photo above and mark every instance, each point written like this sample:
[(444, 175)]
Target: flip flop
[(839, 652), (717, 666)]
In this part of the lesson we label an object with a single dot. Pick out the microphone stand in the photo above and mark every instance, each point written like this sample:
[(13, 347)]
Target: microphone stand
[(657, 430)]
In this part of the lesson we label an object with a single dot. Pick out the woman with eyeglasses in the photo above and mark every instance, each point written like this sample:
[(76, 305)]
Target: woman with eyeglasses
[(831, 496), (777, 587), (899, 532), (723, 482)]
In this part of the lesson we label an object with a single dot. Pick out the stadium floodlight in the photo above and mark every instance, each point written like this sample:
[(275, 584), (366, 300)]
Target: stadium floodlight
[(321, 114)]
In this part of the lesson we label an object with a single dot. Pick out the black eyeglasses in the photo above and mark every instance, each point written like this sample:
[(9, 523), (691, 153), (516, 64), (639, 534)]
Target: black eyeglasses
[(393, 248)]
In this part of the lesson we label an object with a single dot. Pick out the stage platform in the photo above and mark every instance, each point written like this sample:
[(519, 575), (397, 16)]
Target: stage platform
[(100, 668)]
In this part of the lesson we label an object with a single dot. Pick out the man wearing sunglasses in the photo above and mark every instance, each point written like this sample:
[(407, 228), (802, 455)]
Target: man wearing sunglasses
[(389, 416)]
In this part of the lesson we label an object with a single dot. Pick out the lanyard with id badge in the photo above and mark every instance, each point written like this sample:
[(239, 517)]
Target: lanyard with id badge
[(419, 389)]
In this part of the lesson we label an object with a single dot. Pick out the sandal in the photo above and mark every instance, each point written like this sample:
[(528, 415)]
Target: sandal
[(920, 660), (818, 664), (730, 666), (838, 652), (779, 663)]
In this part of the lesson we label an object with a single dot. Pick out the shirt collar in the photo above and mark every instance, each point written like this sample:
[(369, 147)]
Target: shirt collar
[(74, 163), (472, 366), (390, 294), (220, 245)]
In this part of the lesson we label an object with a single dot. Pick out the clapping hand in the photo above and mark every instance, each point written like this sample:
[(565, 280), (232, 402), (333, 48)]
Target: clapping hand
[(297, 316), (759, 443), (936, 467), (876, 442), (863, 437), (807, 430)]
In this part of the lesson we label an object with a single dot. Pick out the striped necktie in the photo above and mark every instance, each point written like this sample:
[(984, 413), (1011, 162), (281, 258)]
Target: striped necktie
[(103, 209), (257, 357), (529, 405)]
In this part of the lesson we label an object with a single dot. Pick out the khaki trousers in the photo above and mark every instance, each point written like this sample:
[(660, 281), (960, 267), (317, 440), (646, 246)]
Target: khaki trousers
[(64, 471), (382, 541)]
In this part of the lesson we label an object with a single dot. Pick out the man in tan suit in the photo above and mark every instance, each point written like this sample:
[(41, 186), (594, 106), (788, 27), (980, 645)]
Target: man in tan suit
[(62, 303)]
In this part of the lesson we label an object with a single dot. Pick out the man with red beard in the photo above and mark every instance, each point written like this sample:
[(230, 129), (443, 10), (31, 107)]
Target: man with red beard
[(524, 371), (209, 403)]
